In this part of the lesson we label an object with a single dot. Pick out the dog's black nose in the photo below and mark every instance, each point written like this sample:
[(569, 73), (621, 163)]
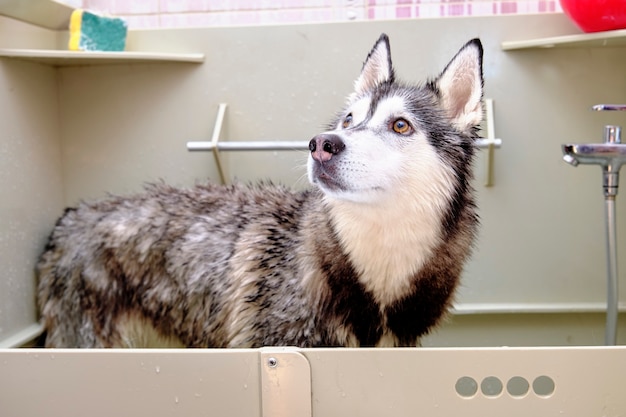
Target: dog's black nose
[(324, 146)]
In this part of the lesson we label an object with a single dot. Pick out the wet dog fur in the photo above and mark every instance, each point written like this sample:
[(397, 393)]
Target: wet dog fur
[(370, 256)]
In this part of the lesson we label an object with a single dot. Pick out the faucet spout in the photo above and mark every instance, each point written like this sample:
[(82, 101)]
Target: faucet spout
[(610, 155), (570, 159)]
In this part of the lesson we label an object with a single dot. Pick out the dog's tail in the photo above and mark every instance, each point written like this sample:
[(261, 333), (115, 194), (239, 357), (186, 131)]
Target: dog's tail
[(58, 293)]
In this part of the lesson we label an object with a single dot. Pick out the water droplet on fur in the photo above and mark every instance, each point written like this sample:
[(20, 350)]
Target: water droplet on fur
[(176, 400), (158, 369)]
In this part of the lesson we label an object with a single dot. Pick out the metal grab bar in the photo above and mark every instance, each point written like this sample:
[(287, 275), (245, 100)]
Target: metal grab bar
[(286, 145), (276, 145), (215, 146)]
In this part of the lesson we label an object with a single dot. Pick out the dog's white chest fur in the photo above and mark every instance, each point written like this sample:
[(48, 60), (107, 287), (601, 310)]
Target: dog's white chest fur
[(390, 240)]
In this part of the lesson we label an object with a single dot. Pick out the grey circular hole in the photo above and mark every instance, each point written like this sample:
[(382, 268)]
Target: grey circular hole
[(491, 386), (517, 386), (543, 386), (466, 387)]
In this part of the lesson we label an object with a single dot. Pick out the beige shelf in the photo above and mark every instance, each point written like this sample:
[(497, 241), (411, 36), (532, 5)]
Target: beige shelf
[(599, 39), (45, 13), (78, 58)]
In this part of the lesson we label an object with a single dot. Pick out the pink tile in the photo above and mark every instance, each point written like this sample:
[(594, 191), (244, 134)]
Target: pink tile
[(297, 16), (547, 6), (123, 7), (280, 16), (180, 13), (481, 8), (197, 6), (403, 12), (99, 5), (173, 6), (456, 10), (185, 6), (285, 5), (508, 7), (543, 6), (171, 20), (178, 20), (150, 21), (430, 10), (77, 4), (384, 12)]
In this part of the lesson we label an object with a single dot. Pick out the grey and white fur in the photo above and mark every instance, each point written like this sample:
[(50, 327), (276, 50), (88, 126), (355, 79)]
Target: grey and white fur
[(370, 256)]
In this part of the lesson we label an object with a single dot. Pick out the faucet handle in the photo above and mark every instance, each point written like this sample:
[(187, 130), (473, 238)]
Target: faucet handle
[(612, 134), (609, 107)]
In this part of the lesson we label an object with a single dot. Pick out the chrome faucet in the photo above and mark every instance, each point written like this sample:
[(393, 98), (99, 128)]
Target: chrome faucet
[(610, 155)]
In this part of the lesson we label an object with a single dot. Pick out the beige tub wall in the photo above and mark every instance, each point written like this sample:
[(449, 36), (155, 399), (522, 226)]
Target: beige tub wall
[(528, 329), (31, 189)]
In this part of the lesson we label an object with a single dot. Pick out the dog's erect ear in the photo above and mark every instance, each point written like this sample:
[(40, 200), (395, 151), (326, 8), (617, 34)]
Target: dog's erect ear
[(377, 67), (461, 86)]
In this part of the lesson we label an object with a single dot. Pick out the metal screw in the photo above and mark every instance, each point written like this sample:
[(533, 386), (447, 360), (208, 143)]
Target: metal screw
[(272, 362)]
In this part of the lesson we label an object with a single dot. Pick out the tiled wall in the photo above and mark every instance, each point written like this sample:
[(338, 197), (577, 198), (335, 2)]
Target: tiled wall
[(199, 13)]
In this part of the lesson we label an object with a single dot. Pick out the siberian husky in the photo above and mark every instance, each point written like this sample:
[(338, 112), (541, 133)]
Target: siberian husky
[(370, 256)]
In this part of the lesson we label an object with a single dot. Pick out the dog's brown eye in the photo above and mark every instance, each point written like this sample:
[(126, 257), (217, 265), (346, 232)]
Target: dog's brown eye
[(401, 126), (347, 121)]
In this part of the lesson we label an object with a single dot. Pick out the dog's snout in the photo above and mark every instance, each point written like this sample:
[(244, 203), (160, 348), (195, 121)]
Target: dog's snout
[(324, 146)]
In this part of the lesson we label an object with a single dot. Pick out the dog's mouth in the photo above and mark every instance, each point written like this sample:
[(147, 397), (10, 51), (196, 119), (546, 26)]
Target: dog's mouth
[(326, 177), (331, 183)]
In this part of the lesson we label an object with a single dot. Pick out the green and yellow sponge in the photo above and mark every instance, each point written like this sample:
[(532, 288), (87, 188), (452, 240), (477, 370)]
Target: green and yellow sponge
[(92, 32)]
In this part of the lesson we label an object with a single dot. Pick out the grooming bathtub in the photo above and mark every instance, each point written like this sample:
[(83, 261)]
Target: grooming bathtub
[(286, 382)]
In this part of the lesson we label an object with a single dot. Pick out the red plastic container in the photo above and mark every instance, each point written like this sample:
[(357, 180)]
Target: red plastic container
[(596, 15)]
